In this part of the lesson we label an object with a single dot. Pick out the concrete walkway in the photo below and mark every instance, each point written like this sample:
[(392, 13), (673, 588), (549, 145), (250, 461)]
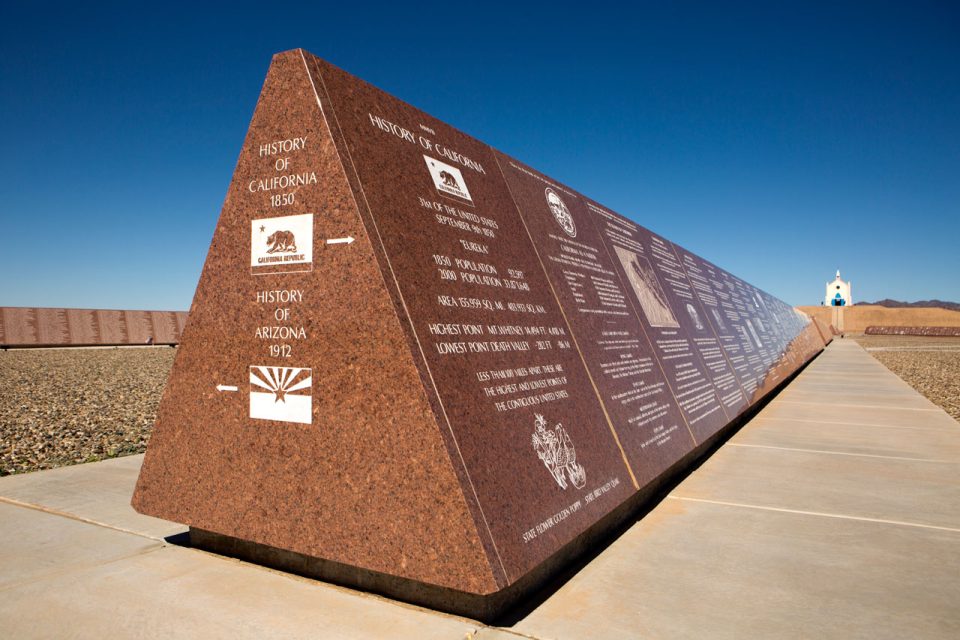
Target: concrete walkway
[(835, 513)]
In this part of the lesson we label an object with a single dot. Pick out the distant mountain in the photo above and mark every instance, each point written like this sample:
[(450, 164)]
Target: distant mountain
[(953, 306)]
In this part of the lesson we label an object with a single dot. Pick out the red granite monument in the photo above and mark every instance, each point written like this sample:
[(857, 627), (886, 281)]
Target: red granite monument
[(418, 366)]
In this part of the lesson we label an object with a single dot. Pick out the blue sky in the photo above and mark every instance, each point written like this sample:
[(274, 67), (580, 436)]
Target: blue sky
[(778, 140)]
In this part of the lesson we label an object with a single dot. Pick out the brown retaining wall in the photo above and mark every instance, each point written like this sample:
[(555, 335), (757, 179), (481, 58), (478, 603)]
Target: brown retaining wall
[(857, 318), (51, 327)]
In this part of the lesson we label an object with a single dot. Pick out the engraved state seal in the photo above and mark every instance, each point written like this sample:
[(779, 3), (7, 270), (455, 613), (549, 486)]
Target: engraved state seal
[(560, 213), (556, 451)]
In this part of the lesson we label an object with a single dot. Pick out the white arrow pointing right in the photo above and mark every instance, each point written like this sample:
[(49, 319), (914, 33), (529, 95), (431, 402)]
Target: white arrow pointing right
[(346, 240)]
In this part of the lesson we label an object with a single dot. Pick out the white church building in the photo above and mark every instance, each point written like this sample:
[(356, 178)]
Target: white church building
[(838, 293)]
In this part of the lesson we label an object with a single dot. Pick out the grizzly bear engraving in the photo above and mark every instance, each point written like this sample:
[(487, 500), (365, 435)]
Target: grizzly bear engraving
[(449, 180), (281, 242)]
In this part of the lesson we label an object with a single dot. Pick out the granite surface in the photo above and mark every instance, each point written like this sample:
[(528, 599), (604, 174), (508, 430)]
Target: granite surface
[(825, 330), (411, 354), (368, 481)]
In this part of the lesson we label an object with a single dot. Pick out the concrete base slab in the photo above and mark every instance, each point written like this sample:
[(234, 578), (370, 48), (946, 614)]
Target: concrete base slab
[(861, 414), (183, 593), (863, 439), (902, 490), (883, 398), (700, 570), (37, 545), (96, 492), (827, 520)]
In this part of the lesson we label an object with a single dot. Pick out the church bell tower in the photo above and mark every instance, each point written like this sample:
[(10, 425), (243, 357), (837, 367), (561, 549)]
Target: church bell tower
[(838, 293)]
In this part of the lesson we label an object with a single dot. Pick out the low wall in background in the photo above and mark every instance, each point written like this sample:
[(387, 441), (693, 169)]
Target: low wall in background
[(857, 318), (51, 327), (913, 331)]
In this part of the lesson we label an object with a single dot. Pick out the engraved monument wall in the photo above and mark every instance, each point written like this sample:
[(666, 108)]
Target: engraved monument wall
[(411, 357), (52, 327)]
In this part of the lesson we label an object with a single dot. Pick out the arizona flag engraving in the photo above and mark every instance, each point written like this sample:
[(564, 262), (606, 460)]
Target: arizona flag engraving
[(282, 394)]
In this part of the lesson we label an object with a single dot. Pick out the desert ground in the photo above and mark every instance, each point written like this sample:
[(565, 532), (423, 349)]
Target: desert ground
[(929, 365), (67, 406)]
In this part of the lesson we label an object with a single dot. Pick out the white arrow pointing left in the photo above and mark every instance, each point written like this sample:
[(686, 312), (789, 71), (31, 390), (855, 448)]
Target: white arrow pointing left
[(226, 387)]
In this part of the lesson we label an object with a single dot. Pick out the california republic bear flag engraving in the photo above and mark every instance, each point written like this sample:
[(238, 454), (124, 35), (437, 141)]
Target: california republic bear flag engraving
[(282, 244), (447, 179), (417, 366)]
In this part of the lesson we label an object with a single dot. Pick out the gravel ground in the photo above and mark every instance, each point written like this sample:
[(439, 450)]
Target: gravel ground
[(65, 406), (929, 365)]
